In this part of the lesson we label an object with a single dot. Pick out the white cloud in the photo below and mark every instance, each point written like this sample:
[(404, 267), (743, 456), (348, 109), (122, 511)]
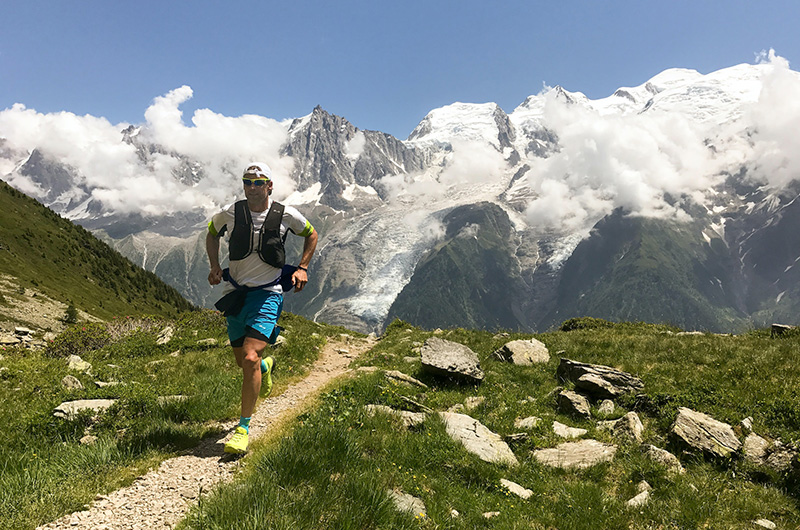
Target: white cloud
[(93, 148), (355, 147)]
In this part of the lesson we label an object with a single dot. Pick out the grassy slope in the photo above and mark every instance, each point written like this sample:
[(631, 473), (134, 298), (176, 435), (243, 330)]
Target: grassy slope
[(67, 263), (336, 465), (45, 472)]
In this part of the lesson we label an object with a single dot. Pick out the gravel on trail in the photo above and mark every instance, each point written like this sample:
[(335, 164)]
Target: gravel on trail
[(162, 497)]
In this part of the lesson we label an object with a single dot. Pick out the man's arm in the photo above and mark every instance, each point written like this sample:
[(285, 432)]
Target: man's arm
[(300, 277), (212, 249)]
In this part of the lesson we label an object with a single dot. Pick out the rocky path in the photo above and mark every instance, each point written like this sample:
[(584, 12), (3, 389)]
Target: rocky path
[(161, 498)]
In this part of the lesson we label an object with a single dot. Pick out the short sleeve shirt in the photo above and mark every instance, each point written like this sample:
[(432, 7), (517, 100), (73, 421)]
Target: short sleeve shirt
[(252, 271)]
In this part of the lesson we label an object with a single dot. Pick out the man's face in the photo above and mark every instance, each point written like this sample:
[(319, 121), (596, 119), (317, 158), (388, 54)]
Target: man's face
[(257, 190)]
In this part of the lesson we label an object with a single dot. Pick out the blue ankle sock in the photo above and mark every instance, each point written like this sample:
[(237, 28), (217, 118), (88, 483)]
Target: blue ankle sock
[(244, 422), (264, 366)]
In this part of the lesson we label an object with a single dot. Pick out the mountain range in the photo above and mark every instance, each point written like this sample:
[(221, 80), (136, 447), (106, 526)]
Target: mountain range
[(673, 201)]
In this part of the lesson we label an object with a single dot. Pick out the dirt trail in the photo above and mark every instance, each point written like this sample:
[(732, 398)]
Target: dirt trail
[(161, 498)]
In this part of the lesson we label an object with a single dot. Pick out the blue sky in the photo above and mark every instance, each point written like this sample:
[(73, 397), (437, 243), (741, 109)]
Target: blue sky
[(382, 65)]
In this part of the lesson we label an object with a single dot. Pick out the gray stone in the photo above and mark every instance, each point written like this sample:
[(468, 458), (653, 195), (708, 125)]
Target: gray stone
[(477, 439), (89, 439), (410, 419), (765, 523), (567, 432), (755, 449), (166, 335), (702, 432), (780, 458), (530, 422), (70, 382), (400, 377), (104, 384), (573, 403), (606, 408), (664, 458), (606, 382), (368, 369), (207, 342), (74, 362), (22, 332), (523, 352), (405, 502), (630, 426), (747, 424), (639, 500), (576, 455), (516, 489), (450, 359), (70, 409)]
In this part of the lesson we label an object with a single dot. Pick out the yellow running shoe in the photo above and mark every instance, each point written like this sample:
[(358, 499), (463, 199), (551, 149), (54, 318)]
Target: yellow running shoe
[(238, 444), (270, 362)]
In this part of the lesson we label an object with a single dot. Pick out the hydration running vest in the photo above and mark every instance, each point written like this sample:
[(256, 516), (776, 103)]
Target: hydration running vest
[(270, 244)]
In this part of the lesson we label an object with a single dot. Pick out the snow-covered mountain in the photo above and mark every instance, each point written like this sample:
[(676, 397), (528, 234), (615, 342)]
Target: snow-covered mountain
[(692, 175)]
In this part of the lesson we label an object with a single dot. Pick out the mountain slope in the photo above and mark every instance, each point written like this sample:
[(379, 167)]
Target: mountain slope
[(67, 263)]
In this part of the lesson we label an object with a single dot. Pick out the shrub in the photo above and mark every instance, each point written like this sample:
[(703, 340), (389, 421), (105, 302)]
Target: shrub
[(79, 339), (585, 323), (71, 316)]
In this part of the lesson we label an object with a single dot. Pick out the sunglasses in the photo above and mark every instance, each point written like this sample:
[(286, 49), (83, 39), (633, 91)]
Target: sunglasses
[(255, 182)]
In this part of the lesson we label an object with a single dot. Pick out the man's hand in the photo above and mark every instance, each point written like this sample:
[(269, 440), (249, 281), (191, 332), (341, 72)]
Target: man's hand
[(299, 279), (215, 276)]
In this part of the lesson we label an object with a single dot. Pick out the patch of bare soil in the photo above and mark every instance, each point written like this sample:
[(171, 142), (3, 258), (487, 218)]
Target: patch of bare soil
[(161, 498)]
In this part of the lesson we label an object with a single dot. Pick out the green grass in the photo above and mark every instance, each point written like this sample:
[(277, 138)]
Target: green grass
[(334, 468), (64, 261), (44, 470)]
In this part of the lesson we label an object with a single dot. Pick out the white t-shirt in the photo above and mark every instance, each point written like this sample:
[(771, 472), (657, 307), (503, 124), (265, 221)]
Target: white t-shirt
[(252, 271)]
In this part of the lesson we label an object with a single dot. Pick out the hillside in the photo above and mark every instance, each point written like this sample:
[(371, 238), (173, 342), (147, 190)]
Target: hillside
[(45, 253)]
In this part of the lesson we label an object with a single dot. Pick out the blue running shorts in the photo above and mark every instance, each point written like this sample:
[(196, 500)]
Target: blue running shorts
[(258, 318)]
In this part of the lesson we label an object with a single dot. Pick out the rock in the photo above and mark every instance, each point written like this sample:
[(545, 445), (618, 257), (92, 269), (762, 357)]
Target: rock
[(473, 402), (89, 439), (70, 382), (517, 437), (78, 364), (405, 502), (755, 449), (410, 359), (664, 458), (477, 439), (780, 458), (765, 523), (643, 486), (166, 335), (630, 426), (207, 342), (368, 369), (704, 433), (9, 340), (576, 455), (22, 332), (523, 352), (450, 359), (103, 384), (176, 353), (410, 419), (601, 381), (747, 424), (639, 500), (454, 514), (516, 489), (571, 402), (567, 432), (169, 400), (606, 408), (394, 375), (778, 330), (70, 409), (607, 425), (491, 515), (458, 407), (530, 422)]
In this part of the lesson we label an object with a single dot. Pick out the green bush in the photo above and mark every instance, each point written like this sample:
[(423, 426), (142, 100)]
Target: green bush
[(79, 339), (585, 323)]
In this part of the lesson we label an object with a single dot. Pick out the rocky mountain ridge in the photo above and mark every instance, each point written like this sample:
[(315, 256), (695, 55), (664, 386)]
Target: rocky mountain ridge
[(538, 189)]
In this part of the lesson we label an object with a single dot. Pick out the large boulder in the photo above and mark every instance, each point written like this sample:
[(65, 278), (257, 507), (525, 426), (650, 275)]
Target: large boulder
[(576, 455), (665, 458), (477, 439), (523, 352), (598, 380), (630, 426), (702, 432), (573, 403), (450, 359)]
